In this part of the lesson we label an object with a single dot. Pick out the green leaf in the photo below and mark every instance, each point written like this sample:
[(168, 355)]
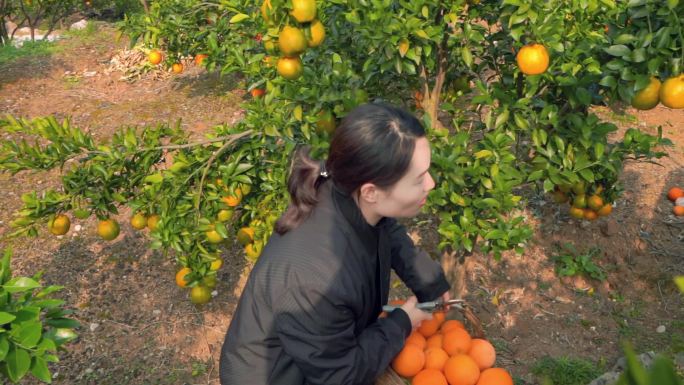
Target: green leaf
[(495, 234), (4, 347), (40, 369), (608, 81), (491, 202), (617, 50), (30, 334), (18, 363), (587, 175), (154, 178), (672, 4), (467, 56), (238, 18), (483, 154), (20, 284), (6, 318)]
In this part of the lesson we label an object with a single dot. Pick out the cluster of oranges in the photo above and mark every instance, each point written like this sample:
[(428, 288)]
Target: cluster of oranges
[(245, 235), (584, 204), (108, 229), (676, 195), (155, 57), (670, 94), (200, 289), (293, 40), (442, 352)]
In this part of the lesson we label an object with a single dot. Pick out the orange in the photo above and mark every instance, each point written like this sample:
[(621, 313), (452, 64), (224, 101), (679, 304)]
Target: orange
[(672, 92), (200, 295), (108, 229), (404, 46), (605, 210), (457, 341), (451, 324), (291, 41), (317, 33), (214, 237), (233, 199), (155, 57), (576, 212), (290, 68), (138, 221), (409, 361), (579, 187), (495, 376), (483, 353), (435, 358), (303, 10), (461, 370), (216, 264), (177, 68), (245, 236), (224, 215), (325, 122), (559, 196), (417, 339), (152, 222), (253, 250), (595, 202), (678, 211), (533, 59), (257, 92), (590, 215), (434, 341), (59, 225), (209, 281), (674, 193), (199, 58), (647, 98), (430, 326), (580, 201), (181, 279), (429, 377)]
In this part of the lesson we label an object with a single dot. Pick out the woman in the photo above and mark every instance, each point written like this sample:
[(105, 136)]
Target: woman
[(309, 311)]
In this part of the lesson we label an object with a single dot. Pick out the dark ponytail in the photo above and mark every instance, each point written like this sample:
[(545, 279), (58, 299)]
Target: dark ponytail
[(374, 143)]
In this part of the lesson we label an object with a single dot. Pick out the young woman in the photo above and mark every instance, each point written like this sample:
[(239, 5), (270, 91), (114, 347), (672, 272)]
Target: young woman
[(309, 312)]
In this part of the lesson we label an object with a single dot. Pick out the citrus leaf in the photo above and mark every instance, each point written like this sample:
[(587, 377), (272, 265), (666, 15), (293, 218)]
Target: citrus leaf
[(238, 18), (20, 284), (40, 369), (18, 363), (6, 318)]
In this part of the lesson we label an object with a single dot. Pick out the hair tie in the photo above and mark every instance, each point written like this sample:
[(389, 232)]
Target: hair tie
[(324, 173)]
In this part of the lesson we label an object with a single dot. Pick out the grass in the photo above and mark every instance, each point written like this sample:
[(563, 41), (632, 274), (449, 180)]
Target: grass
[(566, 371), (10, 53), (570, 262)]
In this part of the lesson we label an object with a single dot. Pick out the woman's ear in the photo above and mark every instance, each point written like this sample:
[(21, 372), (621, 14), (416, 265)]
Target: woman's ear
[(368, 193)]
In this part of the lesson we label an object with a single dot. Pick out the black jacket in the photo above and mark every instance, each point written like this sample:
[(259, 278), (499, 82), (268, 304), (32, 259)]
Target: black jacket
[(309, 312)]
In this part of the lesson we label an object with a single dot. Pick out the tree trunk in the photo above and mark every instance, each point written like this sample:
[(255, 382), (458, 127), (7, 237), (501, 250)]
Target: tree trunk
[(454, 266), (145, 6)]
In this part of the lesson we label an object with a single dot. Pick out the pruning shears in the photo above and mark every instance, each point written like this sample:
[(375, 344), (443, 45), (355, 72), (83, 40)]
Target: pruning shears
[(430, 306)]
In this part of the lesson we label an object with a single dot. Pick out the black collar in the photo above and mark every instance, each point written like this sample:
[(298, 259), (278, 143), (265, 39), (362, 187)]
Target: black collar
[(350, 210)]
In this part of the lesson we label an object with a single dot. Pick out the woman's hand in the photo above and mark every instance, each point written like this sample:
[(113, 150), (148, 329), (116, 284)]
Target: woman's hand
[(446, 297), (415, 315)]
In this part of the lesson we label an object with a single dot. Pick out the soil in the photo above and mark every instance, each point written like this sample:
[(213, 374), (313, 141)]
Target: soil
[(139, 328)]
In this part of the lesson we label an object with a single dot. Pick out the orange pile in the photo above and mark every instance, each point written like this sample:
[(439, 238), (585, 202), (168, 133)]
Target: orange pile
[(442, 352), (676, 195)]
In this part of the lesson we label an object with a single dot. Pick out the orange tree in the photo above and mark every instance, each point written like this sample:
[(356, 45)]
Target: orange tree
[(505, 89)]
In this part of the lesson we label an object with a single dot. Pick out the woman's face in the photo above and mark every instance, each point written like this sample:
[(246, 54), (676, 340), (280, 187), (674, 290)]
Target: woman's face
[(406, 197)]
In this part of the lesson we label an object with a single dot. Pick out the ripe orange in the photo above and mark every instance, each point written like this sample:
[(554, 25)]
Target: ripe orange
[(138, 221), (155, 57), (430, 327), (483, 353), (152, 222), (303, 10), (417, 339), (461, 370), (325, 122), (595, 202), (253, 250), (647, 98), (181, 280), (674, 193), (457, 341), (108, 229), (434, 341), (409, 361), (576, 212), (672, 92), (233, 199), (533, 59), (214, 237), (429, 377), (177, 68), (495, 376), (403, 47), (317, 33), (418, 96), (216, 264), (590, 215), (257, 92), (605, 210), (200, 295), (678, 211), (199, 58), (290, 68), (435, 358), (245, 236), (291, 41), (59, 225), (451, 324)]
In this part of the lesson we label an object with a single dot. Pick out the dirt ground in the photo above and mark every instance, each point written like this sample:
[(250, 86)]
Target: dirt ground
[(138, 328)]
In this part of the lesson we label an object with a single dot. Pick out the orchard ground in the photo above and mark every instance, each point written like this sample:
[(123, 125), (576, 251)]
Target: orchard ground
[(139, 328)]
